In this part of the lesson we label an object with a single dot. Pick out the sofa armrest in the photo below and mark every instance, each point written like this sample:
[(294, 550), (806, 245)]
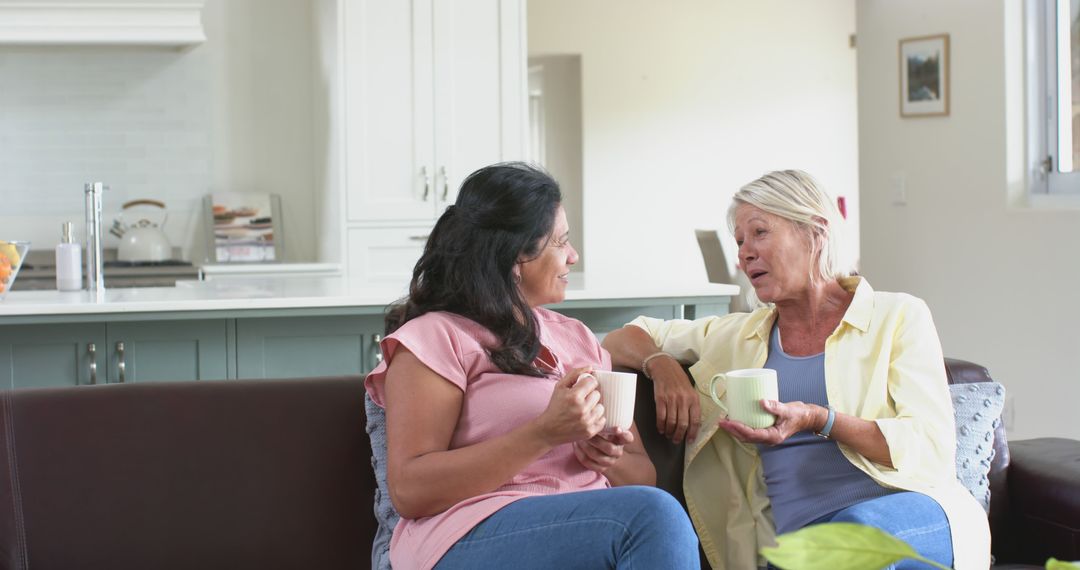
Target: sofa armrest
[(1044, 500), (666, 456)]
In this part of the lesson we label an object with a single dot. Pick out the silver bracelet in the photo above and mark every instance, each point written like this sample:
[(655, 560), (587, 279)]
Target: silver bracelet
[(645, 363)]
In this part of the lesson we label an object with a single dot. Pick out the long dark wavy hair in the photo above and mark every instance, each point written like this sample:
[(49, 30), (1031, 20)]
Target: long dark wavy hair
[(504, 213)]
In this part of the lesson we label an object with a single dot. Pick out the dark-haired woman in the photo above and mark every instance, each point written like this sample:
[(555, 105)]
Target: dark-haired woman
[(495, 456)]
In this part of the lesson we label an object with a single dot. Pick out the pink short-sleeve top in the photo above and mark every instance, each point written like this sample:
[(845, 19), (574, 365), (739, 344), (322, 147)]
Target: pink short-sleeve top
[(494, 403)]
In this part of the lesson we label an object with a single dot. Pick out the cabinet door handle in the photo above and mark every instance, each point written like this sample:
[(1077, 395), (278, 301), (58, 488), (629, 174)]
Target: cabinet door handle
[(121, 367), (375, 342), (445, 183), (418, 238), (91, 350), (427, 182)]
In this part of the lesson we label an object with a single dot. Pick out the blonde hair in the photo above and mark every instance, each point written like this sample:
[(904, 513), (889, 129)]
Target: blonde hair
[(796, 197)]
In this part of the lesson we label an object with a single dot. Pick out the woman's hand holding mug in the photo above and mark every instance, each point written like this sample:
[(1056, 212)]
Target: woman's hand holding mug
[(750, 399), (574, 412), (791, 418), (601, 451)]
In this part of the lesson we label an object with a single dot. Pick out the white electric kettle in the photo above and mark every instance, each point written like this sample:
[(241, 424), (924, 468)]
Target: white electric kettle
[(143, 240)]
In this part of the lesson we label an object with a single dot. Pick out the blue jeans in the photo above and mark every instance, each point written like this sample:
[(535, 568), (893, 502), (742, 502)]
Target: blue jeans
[(912, 517), (623, 527)]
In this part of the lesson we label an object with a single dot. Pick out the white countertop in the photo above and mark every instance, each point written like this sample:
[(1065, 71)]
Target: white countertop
[(277, 268), (284, 293)]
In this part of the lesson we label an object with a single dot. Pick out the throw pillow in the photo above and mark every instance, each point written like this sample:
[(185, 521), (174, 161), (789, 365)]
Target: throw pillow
[(978, 410), (385, 514)]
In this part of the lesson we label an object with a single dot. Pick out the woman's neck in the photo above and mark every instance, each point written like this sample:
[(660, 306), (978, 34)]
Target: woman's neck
[(807, 321)]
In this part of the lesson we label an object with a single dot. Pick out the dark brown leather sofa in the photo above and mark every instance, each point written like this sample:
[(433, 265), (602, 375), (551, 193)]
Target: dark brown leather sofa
[(198, 475), (276, 474), (1034, 484)]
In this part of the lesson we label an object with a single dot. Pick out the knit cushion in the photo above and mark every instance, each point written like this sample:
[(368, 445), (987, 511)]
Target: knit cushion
[(385, 514), (978, 410)]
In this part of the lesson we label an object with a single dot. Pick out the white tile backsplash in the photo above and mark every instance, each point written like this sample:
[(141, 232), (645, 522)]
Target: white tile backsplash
[(138, 119), (234, 114)]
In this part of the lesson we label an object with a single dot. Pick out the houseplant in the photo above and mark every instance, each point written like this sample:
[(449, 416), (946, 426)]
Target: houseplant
[(850, 546)]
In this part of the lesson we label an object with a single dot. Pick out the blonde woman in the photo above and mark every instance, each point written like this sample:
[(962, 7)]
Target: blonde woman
[(864, 426)]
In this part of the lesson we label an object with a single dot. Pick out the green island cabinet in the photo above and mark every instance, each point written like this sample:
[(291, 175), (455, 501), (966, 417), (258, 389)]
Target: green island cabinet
[(291, 347), (78, 350), (96, 352)]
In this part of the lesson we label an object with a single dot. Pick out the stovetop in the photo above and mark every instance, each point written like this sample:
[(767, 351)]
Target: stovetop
[(50, 265), (163, 263), (39, 271)]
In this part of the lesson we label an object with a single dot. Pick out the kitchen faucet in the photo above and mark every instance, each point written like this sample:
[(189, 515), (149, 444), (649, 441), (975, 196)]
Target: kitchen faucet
[(95, 279)]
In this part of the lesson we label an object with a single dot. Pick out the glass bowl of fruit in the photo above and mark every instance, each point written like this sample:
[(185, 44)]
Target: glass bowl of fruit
[(12, 254)]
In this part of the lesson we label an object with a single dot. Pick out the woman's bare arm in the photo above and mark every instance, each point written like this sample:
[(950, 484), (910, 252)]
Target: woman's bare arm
[(678, 409), (426, 477)]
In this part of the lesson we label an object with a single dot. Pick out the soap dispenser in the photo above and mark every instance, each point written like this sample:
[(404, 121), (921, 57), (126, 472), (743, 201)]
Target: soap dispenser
[(68, 262)]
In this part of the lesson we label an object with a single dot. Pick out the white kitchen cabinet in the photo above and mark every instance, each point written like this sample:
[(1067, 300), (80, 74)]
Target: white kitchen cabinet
[(385, 256), (434, 89)]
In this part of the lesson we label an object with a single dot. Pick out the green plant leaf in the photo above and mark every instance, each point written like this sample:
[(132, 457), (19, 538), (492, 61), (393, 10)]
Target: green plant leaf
[(838, 546), (1055, 564)]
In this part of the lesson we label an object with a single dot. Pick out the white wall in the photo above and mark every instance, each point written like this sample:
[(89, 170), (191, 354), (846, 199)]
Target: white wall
[(999, 275), (560, 76), (685, 101), (232, 114)]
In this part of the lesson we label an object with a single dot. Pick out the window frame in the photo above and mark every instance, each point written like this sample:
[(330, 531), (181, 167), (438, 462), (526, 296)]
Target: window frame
[(1043, 102)]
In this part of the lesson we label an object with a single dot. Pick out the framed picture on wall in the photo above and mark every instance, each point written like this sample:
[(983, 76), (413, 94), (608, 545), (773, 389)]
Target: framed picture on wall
[(924, 76), (244, 227)]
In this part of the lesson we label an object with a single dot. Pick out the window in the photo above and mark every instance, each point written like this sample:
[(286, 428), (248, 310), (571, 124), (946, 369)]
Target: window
[(1054, 95)]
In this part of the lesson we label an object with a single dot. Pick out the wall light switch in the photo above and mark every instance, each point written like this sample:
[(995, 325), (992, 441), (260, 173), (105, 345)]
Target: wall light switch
[(899, 189)]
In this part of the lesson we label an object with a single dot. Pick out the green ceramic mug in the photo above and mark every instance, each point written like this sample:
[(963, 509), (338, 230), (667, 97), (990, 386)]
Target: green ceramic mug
[(741, 392)]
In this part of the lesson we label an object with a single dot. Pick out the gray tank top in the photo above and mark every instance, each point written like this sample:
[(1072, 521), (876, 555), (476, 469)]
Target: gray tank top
[(807, 477)]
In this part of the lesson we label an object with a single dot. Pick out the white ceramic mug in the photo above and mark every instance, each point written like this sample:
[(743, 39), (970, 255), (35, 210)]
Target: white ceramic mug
[(742, 393), (617, 394)]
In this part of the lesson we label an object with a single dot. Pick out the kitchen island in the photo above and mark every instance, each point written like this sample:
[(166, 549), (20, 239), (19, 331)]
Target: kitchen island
[(259, 328)]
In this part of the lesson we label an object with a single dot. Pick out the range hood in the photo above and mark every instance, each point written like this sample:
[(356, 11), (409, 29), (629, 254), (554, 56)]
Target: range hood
[(174, 23)]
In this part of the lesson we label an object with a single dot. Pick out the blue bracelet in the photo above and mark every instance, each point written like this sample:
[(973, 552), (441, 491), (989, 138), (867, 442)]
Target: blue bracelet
[(828, 424)]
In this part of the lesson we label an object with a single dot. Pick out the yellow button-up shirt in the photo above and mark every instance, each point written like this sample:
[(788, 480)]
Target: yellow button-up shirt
[(882, 363)]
